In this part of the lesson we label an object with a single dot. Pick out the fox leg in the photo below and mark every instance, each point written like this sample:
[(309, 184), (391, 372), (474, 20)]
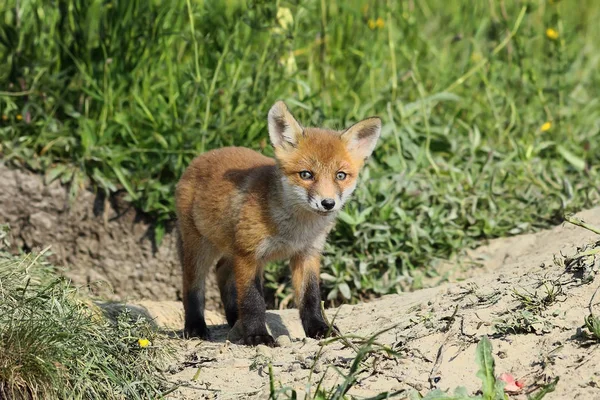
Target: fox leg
[(251, 302), (226, 282), (197, 256), (305, 279)]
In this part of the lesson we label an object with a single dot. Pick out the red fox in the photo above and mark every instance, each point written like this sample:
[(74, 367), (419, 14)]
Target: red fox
[(239, 209)]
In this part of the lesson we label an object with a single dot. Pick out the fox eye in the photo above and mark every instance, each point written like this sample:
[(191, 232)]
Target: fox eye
[(306, 175), (340, 176)]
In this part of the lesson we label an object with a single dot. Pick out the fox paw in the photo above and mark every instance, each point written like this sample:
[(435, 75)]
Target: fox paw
[(199, 330), (255, 340), (321, 330)]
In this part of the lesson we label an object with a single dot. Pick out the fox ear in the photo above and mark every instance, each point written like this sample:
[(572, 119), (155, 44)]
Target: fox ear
[(284, 130), (361, 137)]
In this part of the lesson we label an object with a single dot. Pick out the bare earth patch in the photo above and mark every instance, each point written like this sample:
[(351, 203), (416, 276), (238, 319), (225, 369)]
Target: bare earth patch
[(530, 304), (103, 244)]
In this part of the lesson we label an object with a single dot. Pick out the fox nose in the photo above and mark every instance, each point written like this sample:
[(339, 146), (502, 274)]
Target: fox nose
[(328, 204)]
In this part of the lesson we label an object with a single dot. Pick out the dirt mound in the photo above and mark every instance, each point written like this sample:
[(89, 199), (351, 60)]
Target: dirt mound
[(524, 298), (96, 239)]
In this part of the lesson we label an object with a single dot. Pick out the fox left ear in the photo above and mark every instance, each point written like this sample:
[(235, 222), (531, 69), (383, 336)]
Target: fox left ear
[(284, 130), (361, 137)]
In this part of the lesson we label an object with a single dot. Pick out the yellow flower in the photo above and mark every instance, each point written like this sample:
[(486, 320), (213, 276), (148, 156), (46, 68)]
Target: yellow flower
[(143, 342), (546, 126), (19, 117), (552, 34), (376, 23)]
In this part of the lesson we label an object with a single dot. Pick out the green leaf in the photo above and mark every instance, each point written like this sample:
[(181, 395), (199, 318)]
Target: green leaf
[(459, 394), (485, 360), (53, 173), (161, 140), (119, 173), (347, 218), (549, 388), (159, 233), (102, 181), (345, 290), (327, 277), (571, 158)]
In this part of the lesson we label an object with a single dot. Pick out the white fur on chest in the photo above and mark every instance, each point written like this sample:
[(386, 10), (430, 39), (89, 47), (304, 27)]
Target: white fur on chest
[(295, 235)]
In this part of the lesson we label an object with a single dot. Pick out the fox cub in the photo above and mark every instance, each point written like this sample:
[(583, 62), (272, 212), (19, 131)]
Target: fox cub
[(239, 210)]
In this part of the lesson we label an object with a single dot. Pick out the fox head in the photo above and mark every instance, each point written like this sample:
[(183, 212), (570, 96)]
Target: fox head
[(319, 167)]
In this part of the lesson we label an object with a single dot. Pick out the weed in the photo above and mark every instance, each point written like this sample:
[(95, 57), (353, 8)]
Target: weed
[(592, 322), (54, 345), (521, 321), (539, 301), (482, 298)]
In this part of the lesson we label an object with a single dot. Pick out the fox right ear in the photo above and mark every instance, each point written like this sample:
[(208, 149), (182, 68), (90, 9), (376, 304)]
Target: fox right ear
[(284, 130)]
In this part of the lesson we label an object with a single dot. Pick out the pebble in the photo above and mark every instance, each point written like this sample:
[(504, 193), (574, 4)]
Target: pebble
[(263, 350), (283, 341)]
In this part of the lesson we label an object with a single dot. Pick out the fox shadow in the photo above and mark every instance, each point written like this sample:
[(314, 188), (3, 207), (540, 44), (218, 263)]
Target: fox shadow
[(218, 333)]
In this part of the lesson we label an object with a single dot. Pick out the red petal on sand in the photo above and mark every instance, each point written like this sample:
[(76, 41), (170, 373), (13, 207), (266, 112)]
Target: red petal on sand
[(511, 384)]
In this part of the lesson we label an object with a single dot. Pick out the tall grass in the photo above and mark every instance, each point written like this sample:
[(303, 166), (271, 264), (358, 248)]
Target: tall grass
[(491, 123), (53, 345)]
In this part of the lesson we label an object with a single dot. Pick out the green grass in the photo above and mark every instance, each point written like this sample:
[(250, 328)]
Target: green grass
[(124, 94), (54, 345)]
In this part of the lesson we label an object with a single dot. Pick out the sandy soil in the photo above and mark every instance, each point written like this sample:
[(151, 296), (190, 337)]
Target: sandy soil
[(435, 331)]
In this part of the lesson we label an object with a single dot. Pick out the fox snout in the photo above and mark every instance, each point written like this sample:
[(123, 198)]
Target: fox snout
[(328, 203), (324, 204), (324, 195)]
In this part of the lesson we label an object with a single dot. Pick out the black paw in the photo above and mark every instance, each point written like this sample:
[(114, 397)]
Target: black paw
[(196, 329), (320, 330), (255, 340)]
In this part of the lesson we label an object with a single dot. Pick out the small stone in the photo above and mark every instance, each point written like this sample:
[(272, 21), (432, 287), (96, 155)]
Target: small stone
[(318, 366), (295, 367), (283, 341), (41, 220), (263, 350)]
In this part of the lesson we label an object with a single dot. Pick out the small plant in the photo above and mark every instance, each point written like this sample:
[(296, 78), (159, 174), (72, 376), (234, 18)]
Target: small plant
[(521, 321), (539, 301), (592, 323)]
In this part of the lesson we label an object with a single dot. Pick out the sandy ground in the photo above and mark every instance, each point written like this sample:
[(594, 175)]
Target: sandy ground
[(434, 331)]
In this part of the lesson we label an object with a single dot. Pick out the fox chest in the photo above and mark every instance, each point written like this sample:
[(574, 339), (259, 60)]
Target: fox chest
[(293, 239)]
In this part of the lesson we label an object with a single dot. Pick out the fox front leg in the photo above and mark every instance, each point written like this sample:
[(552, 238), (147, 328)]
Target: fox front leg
[(251, 303), (305, 278)]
